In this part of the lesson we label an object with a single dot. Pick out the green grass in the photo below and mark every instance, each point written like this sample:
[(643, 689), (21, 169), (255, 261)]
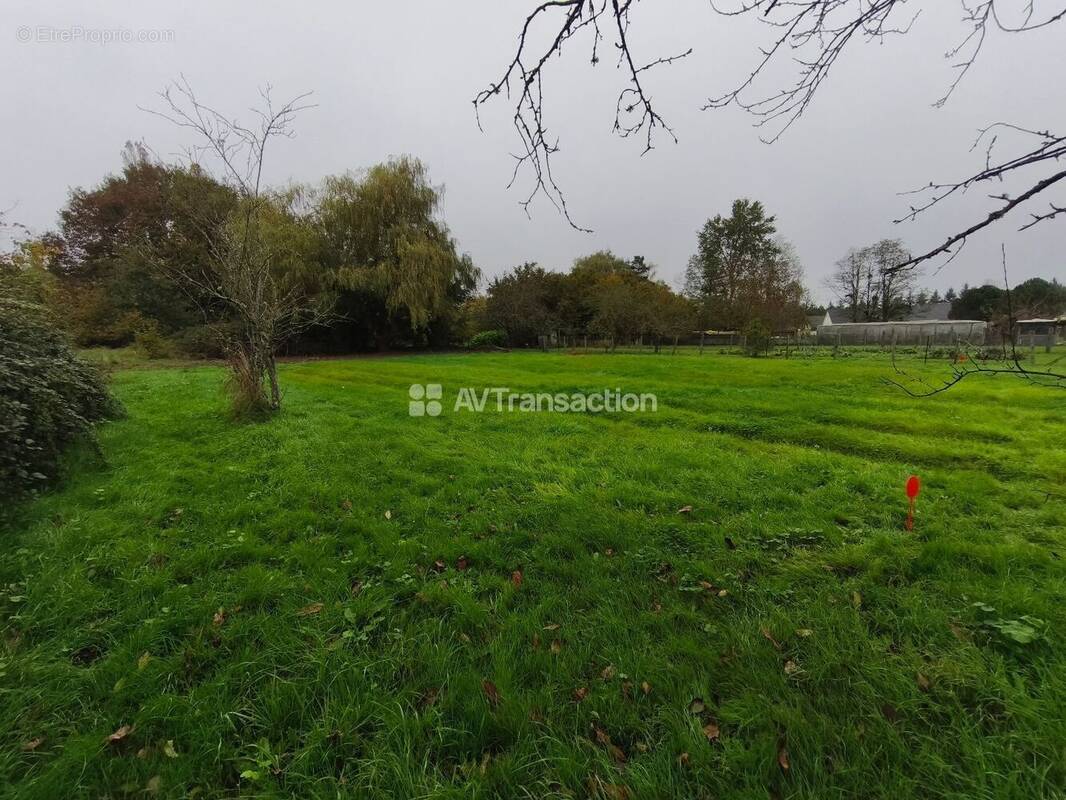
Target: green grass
[(173, 587)]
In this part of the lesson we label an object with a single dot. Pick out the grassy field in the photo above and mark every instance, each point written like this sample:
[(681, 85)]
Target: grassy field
[(350, 601)]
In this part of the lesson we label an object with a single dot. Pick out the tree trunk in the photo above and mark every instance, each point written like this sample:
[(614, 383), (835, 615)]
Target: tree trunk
[(272, 376)]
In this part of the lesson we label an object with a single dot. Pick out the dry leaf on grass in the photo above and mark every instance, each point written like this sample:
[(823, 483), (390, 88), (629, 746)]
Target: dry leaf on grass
[(346, 505), (120, 734), (685, 510), (645, 687), (556, 646), (32, 744), (388, 515), (608, 672), (168, 749), (791, 667), (142, 662), (782, 757), (711, 731), (697, 706), (923, 682), (580, 693), (308, 610), (516, 577), (770, 638), (492, 694)]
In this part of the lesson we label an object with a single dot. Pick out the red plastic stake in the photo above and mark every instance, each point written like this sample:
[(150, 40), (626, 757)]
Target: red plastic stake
[(913, 487)]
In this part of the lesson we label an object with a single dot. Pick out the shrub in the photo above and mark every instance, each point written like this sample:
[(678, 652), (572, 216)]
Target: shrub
[(756, 338), (205, 341), (48, 397), (152, 344), (487, 339)]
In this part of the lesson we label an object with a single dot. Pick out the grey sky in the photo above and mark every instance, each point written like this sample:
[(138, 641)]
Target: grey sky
[(398, 77)]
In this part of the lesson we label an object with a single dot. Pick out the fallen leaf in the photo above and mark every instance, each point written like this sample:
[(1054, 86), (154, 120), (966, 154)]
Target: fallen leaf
[(580, 694), (683, 759), (856, 599), (556, 646), (168, 749), (492, 694), (120, 734), (516, 577), (388, 515), (346, 505), (697, 706), (485, 759), (601, 736), (462, 564), (536, 641), (770, 638), (923, 682), (685, 510), (608, 672), (308, 610), (642, 747), (723, 592), (707, 586), (645, 687), (782, 757), (153, 784), (791, 667), (32, 744), (804, 632), (142, 662), (439, 566), (552, 626), (219, 618), (711, 731)]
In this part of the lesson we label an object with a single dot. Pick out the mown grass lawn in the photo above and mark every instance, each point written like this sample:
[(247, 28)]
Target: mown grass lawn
[(329, 604)]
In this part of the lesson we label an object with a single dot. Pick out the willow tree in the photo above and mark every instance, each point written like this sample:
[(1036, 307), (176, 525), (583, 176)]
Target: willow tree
[(380, 236)]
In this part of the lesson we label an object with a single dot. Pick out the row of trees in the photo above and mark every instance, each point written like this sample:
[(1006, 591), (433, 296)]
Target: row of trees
[(602, 295), (871, 288), (743, 277), (169, 255), (1034, 298)]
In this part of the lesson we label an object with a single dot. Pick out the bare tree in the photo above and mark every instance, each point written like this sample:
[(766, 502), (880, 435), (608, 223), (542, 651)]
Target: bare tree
[(850, 282), (255, 264), (811, 36)]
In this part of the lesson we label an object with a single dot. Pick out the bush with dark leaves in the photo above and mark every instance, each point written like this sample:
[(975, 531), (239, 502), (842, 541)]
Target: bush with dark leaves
[(48, 397)]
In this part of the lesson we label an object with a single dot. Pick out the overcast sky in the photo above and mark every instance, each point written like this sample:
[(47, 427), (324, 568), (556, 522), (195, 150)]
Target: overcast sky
[(397, 78)]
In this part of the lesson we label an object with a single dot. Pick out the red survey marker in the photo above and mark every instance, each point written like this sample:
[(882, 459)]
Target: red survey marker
[(913, 487)]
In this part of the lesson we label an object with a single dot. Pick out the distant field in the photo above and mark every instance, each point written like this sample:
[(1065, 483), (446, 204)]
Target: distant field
[(351, 601)]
